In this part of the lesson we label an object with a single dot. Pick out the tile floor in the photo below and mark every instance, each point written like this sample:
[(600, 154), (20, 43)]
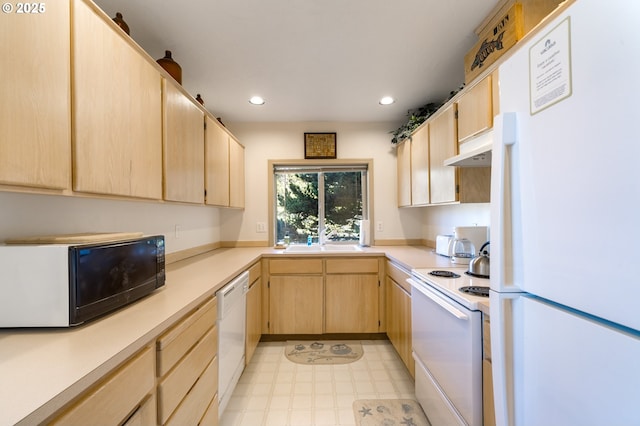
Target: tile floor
[(275, 391)]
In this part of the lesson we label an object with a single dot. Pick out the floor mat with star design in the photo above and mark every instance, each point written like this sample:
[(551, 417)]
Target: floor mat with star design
[(389, 412)]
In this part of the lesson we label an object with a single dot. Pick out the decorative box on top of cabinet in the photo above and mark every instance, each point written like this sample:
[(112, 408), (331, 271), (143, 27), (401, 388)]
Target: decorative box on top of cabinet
[(35, 99), (117, 127)]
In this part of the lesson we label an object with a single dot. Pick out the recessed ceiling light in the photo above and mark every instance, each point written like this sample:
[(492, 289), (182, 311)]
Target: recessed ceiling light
[(256, 100), (387, 100)]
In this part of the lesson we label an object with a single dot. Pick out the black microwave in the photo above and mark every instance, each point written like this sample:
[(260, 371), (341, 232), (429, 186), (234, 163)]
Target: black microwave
[(62, 285)]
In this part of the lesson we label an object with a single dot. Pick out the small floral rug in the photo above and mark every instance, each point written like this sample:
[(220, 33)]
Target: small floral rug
[(389, 412), (324, 352)]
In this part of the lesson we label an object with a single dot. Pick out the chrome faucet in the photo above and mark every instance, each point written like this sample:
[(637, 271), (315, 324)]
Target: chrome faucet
[(322, 235)]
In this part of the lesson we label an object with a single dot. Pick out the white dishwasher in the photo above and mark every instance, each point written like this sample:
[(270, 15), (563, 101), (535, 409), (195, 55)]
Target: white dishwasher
[(232, 306)]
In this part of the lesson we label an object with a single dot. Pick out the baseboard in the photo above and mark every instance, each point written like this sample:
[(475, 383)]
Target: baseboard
[(411, 242), (327, 336), (235, 244)]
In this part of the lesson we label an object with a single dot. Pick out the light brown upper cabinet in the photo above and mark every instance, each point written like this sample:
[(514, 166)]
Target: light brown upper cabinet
[(216, 163), (117, 104), (35, 99), (475, 111), (403, 151), (224, 170), (183, 147), (236, 174), (420, 166), (443, 143)]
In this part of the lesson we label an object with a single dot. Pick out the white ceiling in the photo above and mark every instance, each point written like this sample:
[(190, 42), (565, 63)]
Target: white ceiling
[(312, 60)]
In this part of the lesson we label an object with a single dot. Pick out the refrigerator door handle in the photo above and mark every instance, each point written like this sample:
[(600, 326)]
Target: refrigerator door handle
[(502, 279), (502, 355)]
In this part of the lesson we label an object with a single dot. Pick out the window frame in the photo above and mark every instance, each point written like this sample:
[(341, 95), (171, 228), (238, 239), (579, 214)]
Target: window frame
[(368, 163)]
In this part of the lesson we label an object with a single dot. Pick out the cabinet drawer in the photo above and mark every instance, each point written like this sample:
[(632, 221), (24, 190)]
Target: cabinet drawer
[(211, 416), (295, 266), (176, 384), (399, 276), (195, 404), (358, 266), (117, 396), (254, 272), (145, 414), (173, 344)]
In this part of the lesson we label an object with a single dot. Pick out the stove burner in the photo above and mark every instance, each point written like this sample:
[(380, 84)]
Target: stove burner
[(475, 290), (471, 274), (444, 274)]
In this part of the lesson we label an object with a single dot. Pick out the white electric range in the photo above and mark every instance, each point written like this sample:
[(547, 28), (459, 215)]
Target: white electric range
[(450, 286), (447, 345)]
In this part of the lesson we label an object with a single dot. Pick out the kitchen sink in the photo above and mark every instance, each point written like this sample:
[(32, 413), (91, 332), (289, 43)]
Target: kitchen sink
[(316, 248)]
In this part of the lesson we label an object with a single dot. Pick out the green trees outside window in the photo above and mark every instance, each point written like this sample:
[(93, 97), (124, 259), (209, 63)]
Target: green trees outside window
[(327, 205)]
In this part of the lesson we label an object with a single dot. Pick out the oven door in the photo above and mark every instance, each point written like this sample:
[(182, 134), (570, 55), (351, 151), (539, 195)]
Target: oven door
[(447, 342)]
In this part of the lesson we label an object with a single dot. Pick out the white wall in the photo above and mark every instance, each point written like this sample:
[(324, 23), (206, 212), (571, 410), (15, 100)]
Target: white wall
[(280, 141), (23, 215), (441, 219)]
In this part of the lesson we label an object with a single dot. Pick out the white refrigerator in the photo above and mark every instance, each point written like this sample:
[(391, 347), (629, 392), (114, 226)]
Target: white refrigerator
[(565, 222)]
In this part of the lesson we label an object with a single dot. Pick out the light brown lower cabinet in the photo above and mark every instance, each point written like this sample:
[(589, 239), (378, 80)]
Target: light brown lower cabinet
[(398, 306), (351, 304), (145, 415), (351, 296), (324, 295), (295, 304), (173, 381), (187, 367), (211, 415), (254, 312), (198, 399), (123, 394), (296, 287)]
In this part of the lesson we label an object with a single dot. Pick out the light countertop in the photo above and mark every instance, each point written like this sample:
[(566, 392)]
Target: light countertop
[(41, 370)]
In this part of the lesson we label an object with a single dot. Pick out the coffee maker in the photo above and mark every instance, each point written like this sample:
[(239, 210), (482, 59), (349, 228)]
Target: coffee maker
[(466, 242)]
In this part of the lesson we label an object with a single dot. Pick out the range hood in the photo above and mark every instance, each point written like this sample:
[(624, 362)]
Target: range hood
[(474, 153)]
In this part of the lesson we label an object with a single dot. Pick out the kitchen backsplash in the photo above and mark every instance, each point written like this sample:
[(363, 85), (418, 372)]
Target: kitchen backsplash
[(442, 219)]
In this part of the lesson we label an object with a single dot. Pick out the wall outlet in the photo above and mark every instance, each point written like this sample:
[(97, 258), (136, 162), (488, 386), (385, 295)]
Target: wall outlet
[(178, 233), (379, 226), (261, 227)]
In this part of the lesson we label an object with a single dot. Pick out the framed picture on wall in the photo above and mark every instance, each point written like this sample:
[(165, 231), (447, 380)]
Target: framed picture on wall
[(319, 145)]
